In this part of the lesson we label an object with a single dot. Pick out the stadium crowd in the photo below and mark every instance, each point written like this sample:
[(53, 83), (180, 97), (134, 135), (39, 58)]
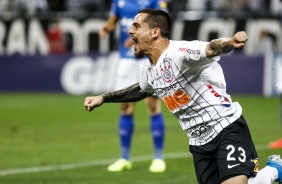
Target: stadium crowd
[(10, 8)]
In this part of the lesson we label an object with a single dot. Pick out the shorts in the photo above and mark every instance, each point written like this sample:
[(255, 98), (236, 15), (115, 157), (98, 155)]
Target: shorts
[(129, 72), (229, 154)]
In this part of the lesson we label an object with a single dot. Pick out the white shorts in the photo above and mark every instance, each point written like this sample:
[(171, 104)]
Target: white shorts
[(129, 72)]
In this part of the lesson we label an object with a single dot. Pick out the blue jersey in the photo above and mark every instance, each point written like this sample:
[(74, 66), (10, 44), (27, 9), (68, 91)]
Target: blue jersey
[(126, 10)]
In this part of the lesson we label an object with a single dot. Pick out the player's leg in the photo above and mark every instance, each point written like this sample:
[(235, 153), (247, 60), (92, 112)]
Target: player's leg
[(242, 179), (220, 160), (272, 172), (126, 128), (158, 133), (237, 156), (205, 163), (126, 120), (240, 161), (157, 126), (274, 162)]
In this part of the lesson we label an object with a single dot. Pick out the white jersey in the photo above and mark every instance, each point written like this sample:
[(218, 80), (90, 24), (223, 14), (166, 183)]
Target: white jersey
[(193, 88)]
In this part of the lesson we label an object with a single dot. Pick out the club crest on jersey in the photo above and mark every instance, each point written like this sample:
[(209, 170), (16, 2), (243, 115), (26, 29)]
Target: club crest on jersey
[(166, 70)]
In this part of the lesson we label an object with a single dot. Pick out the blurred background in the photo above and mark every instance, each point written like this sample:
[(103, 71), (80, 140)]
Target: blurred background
[(57, 41)]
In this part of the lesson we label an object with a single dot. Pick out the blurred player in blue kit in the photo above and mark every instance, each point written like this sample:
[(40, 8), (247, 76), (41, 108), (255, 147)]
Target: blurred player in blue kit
[(129, 72)]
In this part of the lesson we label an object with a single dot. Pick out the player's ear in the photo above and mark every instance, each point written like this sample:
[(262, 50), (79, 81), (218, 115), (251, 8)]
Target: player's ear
[(156, 32)]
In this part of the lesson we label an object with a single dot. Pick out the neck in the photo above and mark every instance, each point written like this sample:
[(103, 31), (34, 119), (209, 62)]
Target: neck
[(157, 49)]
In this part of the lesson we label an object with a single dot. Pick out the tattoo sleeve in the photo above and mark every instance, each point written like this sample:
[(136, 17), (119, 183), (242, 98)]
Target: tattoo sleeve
[(130, 94), (219, 46)]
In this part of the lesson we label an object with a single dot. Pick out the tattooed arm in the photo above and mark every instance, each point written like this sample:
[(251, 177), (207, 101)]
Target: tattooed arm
[(130, 94), (225, 45)]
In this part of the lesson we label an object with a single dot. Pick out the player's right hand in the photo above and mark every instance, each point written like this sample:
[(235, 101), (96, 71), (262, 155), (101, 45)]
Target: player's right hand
[(102, 32), (93, 101)]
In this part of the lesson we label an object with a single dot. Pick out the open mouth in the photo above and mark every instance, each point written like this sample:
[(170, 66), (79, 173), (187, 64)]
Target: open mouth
[(135, 40)]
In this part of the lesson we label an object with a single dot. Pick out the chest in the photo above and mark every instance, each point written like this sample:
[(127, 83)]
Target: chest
[(166, 75), (173, 74)]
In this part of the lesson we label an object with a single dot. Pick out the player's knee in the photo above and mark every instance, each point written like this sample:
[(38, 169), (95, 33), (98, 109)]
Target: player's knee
[(127, 108), (154, 107), (242, 179)]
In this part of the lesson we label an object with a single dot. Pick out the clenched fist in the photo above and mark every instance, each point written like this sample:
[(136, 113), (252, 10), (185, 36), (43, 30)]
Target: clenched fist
[(239, 39), (93, 101)]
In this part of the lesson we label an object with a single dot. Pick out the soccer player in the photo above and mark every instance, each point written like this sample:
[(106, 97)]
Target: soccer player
[(186, 75), (128, 73)]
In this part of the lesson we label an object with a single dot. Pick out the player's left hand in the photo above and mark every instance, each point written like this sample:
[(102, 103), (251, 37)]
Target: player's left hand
[(93, 101), (239, 39)]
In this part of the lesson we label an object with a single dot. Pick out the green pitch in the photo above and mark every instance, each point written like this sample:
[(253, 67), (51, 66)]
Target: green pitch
[(52, 139)]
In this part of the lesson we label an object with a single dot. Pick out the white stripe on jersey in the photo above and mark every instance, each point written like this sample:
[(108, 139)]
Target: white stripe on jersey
[(193, 88)]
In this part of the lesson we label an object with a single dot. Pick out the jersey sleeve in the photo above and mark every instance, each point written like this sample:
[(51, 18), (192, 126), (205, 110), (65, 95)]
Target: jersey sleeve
[(196, 50), (144, 82)]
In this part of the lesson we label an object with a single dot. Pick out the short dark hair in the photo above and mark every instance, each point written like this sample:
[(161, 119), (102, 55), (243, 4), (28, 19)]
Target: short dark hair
[(158, 19)]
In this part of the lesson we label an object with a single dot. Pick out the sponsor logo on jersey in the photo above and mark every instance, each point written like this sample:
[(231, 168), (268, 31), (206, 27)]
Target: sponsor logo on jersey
[(166, 70), (155, 79), (224, 101), (231, 166), (159, 91), (256, 162), (189, 51), (201, 132)]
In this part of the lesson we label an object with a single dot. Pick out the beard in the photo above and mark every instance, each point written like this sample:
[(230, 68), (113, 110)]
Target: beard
[(139, 54)]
